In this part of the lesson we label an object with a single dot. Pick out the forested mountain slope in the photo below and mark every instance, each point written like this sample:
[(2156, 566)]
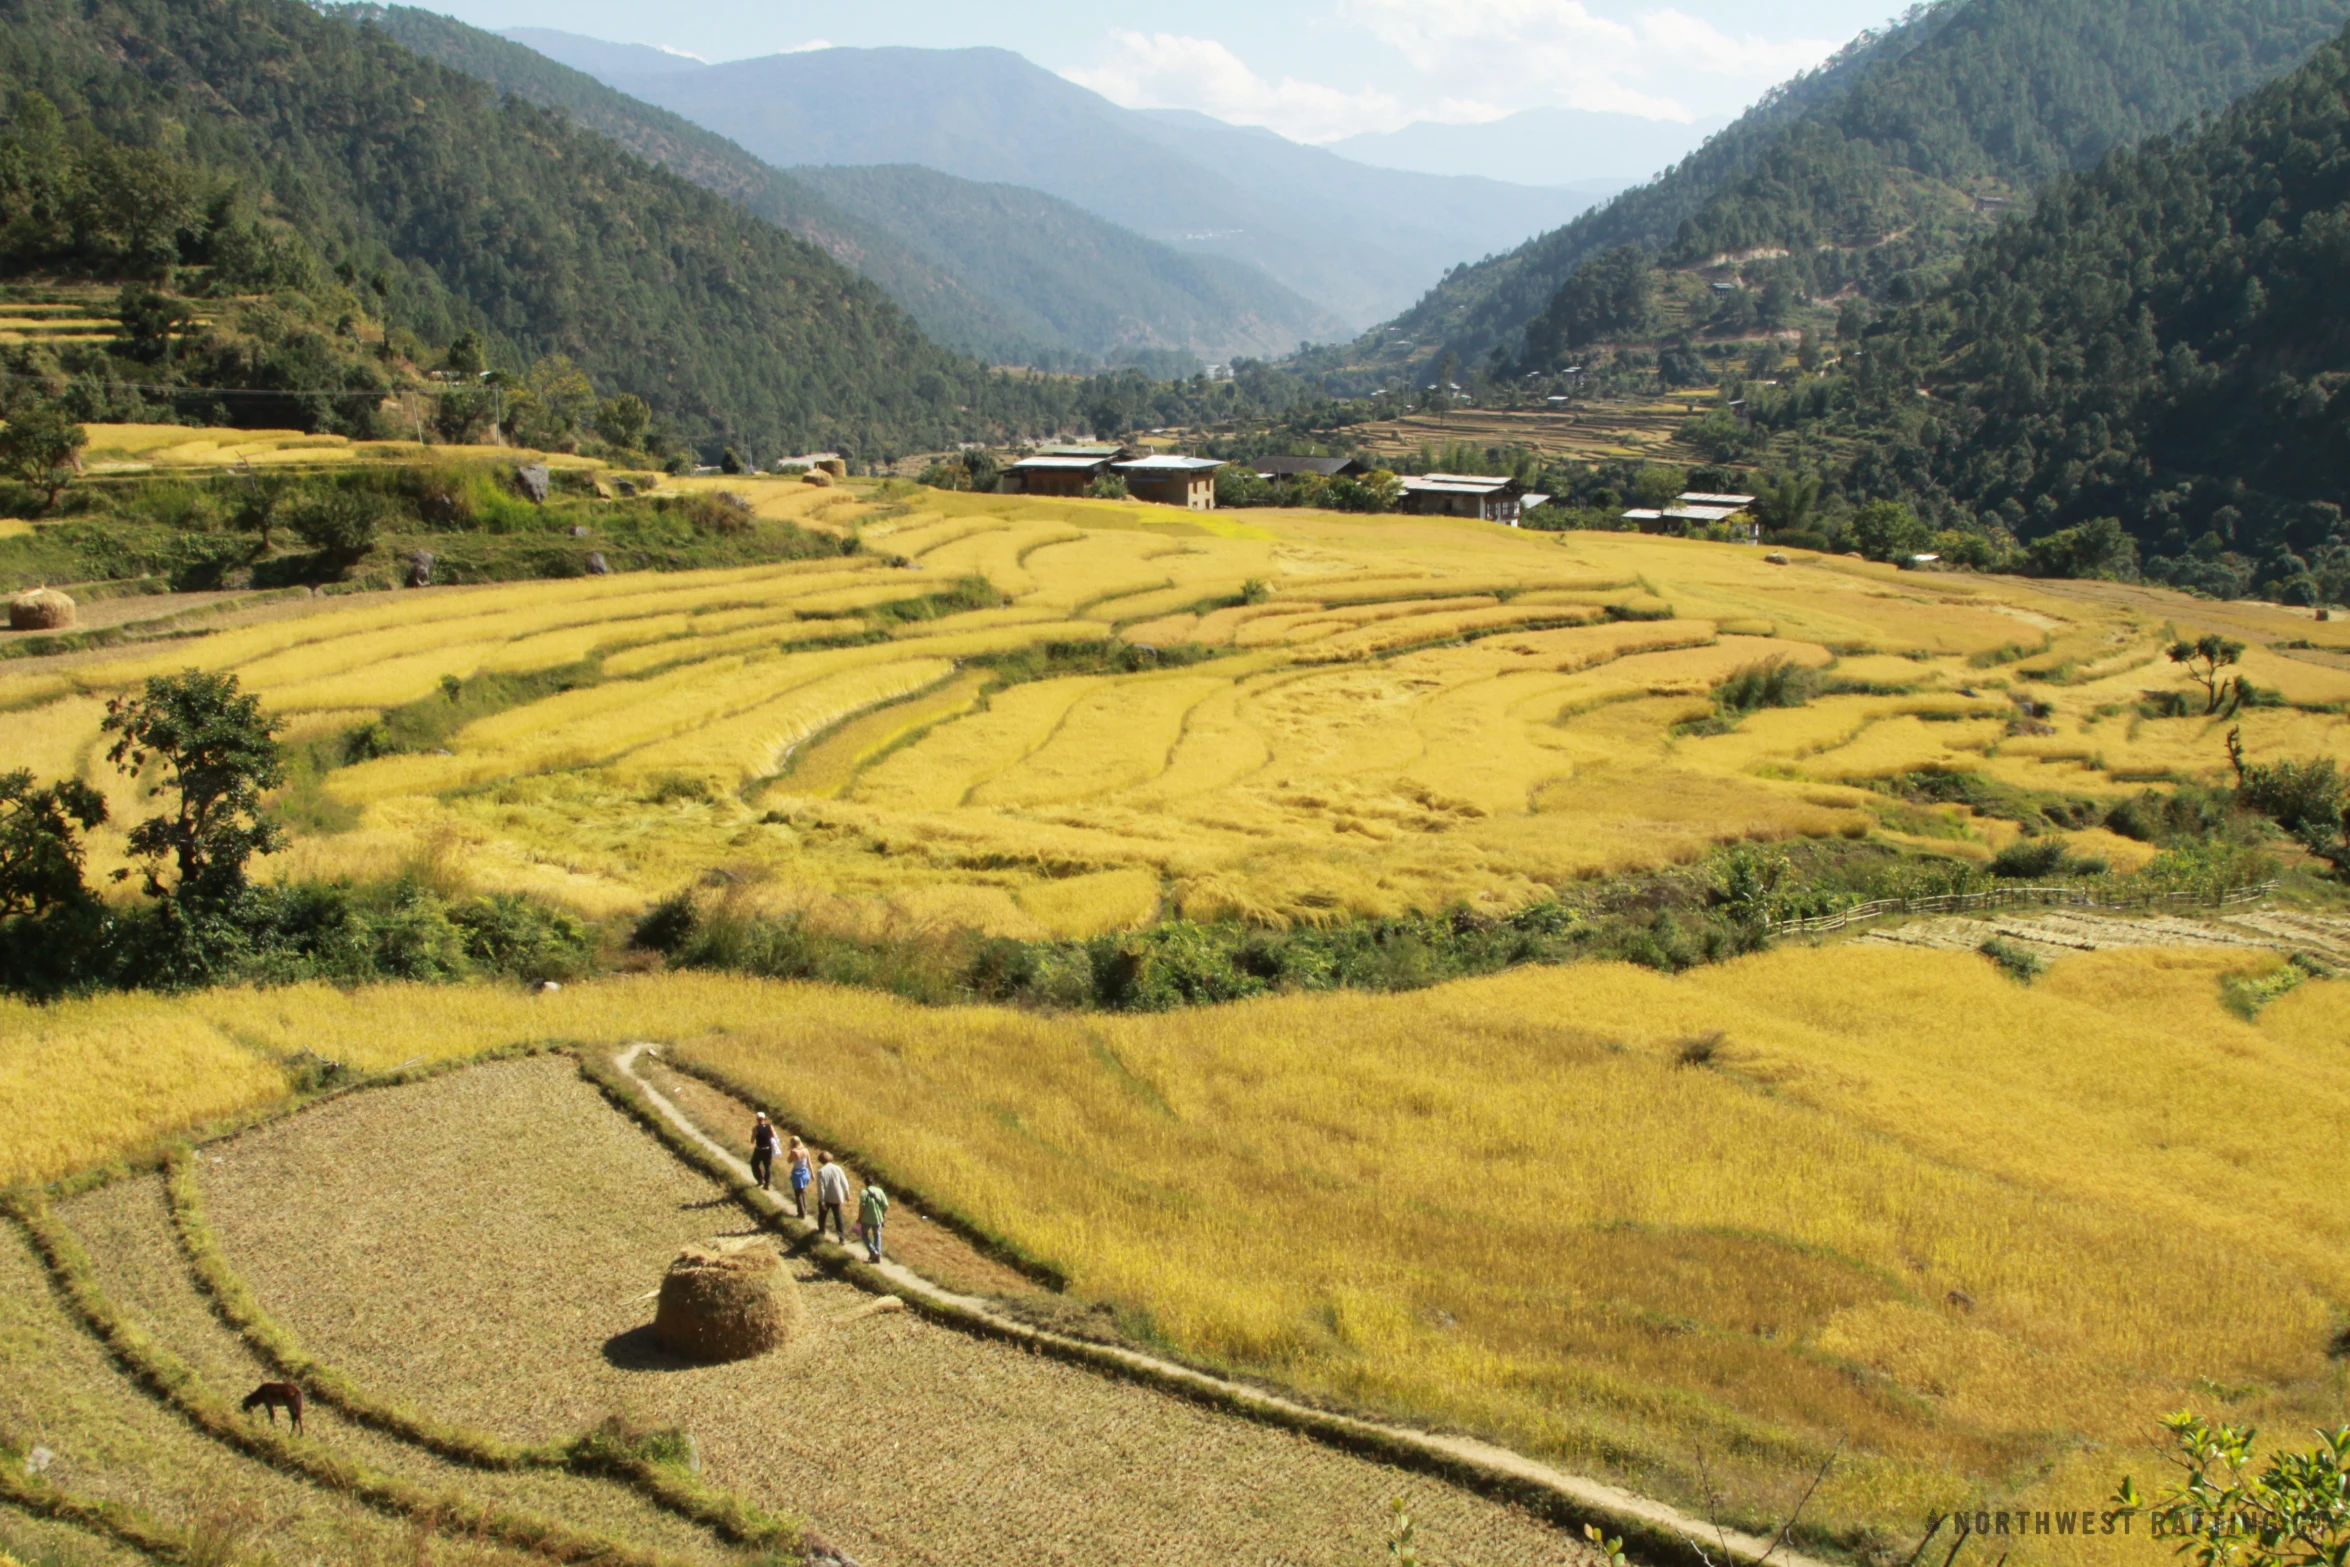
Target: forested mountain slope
[(461, 211), (1010, 277), (1890, 158), (1064, 279), (2160, 340)]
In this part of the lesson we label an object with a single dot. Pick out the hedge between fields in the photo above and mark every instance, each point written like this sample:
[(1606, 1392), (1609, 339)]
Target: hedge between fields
[(177, 1384), (596, 1454), (1644, 1536)]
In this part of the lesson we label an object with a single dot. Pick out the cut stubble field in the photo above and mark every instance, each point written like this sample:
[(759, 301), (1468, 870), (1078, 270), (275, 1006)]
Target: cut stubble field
[(483, 1246)]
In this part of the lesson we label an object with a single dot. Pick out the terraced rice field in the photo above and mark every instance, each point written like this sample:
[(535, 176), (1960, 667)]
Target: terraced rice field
[(1981, 1233), (1588, 431), (481, 1245), (1403, 713)]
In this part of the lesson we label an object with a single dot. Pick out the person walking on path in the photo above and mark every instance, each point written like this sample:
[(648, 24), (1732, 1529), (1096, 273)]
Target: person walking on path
[(832, 1198), (872, 1208), (801, 1175), (762, 1151)]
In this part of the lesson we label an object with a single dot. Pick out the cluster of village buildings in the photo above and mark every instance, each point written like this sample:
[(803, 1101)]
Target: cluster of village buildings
[(1190, 482)]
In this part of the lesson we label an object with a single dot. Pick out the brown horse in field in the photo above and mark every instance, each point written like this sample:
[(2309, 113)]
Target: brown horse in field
[(274, 1396)]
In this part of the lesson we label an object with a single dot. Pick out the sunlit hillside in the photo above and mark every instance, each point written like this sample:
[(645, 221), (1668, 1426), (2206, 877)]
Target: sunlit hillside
[(1320, 717)]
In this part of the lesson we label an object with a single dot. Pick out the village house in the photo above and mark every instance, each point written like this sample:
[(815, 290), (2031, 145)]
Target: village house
[(1188, 482), (1324, 467), (1701, 509), (1482, 496), (1063, 470)]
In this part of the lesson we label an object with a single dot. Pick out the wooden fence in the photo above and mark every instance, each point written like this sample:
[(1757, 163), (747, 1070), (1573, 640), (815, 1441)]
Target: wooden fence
[(2009, 897)]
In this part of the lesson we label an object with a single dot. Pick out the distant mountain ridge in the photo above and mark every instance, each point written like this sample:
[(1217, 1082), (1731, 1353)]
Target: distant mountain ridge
[(1871, 166), (1013, 278), (1573, 149), (1357, 241)]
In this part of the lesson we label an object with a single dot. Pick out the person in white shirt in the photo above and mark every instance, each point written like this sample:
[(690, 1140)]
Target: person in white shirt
[(832, 1198)]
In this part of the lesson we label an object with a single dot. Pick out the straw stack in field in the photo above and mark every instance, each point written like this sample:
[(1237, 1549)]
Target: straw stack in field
[(42, 609), (727, 1301)]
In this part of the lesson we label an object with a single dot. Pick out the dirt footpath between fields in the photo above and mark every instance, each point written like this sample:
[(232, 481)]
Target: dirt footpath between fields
[(1617, 1506), (2321, 938)]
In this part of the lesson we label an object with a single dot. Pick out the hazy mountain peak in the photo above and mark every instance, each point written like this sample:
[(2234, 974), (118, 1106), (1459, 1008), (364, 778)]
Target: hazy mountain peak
[(599, 57)]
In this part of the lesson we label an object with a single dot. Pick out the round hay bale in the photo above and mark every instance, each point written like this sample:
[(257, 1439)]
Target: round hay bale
[(815, 476), (43, 609), (727, 1301)]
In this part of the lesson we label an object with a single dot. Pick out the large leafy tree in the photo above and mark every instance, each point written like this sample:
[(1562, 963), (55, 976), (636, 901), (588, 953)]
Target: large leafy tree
[(217, 756), (40, 842), (42, 446)]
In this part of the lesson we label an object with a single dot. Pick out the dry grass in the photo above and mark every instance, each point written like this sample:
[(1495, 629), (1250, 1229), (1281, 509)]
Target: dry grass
[(60, 1390), (1559, 1233), (140, 1069), (901, 1440), (127, 1231)]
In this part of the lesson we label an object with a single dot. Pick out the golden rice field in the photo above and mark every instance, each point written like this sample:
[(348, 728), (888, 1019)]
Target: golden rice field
[(1405, 713), (1980, 1233)]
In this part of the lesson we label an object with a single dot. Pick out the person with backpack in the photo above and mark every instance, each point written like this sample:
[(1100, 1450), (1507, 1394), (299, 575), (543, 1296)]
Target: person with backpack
[(832, 1198), (801, 1175), (762, 1151), (872, 1208)]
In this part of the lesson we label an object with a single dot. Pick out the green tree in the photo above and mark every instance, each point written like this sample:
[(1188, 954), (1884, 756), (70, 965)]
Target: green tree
[(42, 446), (2101, 547), (2203, 659), (2231, 1509), (342, 525), (40, 842), (1786, 501), (259, 510), (465, 356), (1888, 530), (218, 755), (153, 322), (622, 421)]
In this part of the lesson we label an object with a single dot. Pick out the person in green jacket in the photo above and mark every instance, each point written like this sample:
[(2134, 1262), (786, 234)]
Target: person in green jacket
[(872, 1208)]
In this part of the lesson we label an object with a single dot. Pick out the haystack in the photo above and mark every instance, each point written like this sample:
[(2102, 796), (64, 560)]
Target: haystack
[(727, 1301), (43, 609), (815, 476)]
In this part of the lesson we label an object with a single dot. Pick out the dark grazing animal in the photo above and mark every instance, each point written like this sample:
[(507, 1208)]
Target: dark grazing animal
[(274, 1396)]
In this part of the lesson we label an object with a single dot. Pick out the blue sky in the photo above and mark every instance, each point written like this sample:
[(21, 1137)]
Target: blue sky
[(1312, 69)]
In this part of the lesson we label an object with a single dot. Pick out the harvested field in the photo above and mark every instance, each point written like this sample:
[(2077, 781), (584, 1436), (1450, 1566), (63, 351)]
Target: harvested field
[(2324, 939), (479, 1244), (127, 1230), (110, 1441)]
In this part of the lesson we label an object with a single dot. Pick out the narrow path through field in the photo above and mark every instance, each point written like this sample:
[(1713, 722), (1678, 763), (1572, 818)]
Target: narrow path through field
[(1607, 1504)]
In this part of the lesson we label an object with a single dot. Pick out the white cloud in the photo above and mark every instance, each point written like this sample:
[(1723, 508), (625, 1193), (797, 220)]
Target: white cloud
[(1464, 62), (1662, 64), (1170, 71)]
